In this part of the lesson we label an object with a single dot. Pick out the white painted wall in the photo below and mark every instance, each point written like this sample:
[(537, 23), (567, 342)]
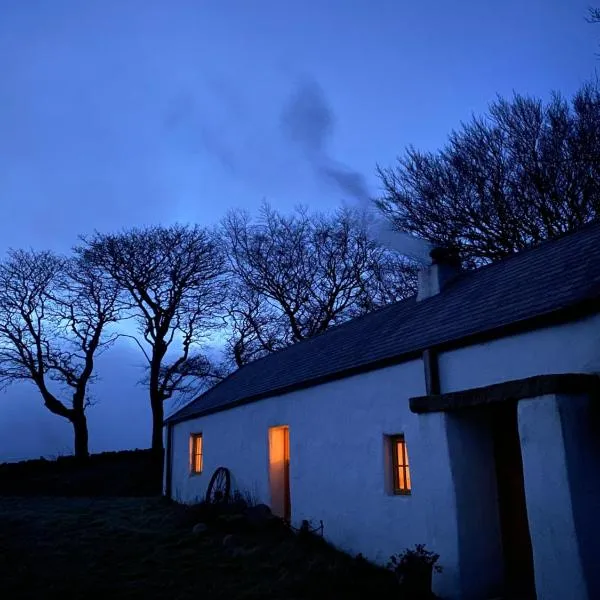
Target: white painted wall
[(557, 562), (337, 448), (471, 452), (337, 441), (580, 421), (570, 348)]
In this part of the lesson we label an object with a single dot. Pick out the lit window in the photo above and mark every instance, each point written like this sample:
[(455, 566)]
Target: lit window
[(401, 474), (196, 453)]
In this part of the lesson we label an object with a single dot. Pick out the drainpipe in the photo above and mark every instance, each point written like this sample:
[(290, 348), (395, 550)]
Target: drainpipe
[(432, 372)]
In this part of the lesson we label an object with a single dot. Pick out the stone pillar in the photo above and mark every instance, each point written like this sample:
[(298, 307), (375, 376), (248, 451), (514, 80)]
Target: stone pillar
[(471, 451), (440, 504), (559, 571)]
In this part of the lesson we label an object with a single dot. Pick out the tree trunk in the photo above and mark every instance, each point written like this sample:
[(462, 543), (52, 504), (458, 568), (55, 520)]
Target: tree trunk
[(80, 429), (156, 397), (156, 402)]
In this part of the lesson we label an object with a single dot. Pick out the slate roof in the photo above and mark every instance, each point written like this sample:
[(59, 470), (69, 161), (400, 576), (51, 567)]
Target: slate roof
[(534, 284)]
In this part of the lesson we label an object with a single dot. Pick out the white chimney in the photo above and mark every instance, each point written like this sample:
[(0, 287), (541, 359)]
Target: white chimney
[(444, 266)]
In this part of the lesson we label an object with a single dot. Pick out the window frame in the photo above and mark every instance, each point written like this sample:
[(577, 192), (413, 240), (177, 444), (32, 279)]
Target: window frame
[(194, 437), (397, 490)]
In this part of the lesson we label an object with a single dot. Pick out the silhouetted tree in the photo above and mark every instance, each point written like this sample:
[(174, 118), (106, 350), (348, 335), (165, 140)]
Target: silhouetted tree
[(296, 276), (53, 316), (173, 284), (525, 172)]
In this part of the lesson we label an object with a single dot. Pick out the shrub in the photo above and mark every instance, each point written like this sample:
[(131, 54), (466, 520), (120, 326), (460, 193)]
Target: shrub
[(414, 569)]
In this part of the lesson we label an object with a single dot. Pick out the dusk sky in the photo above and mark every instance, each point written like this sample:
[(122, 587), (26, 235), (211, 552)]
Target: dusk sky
[(119, 112)]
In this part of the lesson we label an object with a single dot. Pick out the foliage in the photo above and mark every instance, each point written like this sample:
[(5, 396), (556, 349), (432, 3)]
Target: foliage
[(413, 560), (525, 172)]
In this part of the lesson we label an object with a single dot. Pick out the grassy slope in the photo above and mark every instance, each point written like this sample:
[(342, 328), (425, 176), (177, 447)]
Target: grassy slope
[(143, 548)]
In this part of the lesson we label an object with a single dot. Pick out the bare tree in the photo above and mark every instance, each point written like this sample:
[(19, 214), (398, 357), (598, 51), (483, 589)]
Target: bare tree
[(53, 315), (525, 172), (593, 17), (173, 284), (296, 276)]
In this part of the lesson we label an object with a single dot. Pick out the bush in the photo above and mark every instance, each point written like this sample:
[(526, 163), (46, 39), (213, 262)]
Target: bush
[(414, 569)]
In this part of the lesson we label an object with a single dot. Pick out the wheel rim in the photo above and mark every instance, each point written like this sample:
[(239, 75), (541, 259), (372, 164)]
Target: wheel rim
[(219, 486)]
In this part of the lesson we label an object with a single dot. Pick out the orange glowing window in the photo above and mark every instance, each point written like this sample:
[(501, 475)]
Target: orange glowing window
[(400, 465), (196, 453)]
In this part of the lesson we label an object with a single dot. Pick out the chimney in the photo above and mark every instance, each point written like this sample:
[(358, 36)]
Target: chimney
[(445, 266)]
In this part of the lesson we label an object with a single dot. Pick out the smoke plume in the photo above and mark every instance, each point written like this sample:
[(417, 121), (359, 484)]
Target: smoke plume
[(307, 120)]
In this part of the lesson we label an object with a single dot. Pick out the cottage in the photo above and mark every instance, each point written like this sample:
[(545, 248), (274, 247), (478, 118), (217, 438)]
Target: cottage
[(467, 419)]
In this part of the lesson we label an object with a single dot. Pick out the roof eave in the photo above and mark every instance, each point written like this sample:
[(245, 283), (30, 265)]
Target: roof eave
[(564, 314)]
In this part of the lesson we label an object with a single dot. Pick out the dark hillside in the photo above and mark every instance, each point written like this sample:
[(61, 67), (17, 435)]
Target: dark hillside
[(128, 473), (145, 549)]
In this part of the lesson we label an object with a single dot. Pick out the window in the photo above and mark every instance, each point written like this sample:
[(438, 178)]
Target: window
[(196, 453), (401, 470)]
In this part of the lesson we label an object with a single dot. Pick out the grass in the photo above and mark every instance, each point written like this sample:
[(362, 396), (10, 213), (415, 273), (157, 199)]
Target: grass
[(144, 548)]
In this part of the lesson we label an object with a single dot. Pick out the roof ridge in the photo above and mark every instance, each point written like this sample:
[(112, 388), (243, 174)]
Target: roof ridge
[(329, 330), (464, 274), (533, 248)]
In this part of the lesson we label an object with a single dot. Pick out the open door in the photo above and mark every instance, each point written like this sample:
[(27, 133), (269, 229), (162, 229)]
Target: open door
[(516, 539), (279, 471), (494, 543)]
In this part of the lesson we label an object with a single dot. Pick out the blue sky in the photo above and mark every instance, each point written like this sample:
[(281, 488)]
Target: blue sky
[(119, 112)]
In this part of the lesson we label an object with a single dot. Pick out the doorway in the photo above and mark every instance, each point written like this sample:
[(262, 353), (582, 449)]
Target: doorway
[(279, 471), (495, 553), (512, 507)]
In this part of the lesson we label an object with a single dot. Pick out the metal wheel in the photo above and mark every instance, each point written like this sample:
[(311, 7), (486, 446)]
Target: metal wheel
[(219, 486)]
